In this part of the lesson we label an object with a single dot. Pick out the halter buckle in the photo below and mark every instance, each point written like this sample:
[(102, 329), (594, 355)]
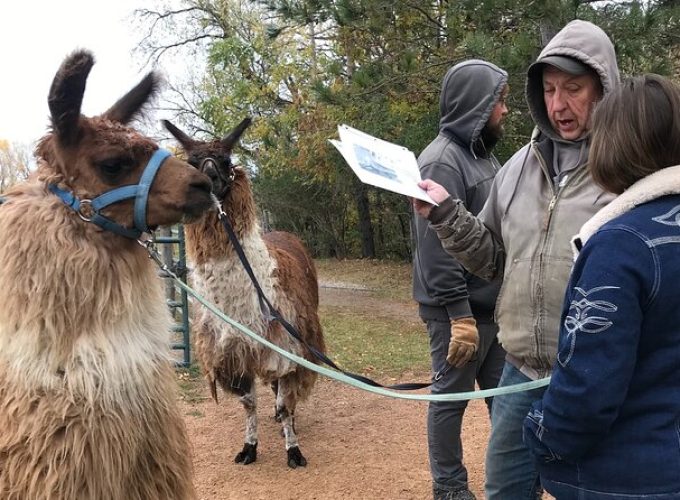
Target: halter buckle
[(85, 210)]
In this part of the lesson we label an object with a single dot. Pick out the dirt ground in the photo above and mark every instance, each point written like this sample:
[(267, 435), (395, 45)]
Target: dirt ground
[(358, 445)]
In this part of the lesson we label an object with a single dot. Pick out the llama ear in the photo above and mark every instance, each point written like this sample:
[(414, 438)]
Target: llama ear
[(187, 142), (132, 103), (230, 140), (66, 95)]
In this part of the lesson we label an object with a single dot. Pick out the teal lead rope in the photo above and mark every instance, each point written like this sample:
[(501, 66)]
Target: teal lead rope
[(340, 377)]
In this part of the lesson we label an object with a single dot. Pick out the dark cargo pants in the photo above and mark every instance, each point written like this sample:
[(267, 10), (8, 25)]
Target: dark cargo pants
[(444, 418)]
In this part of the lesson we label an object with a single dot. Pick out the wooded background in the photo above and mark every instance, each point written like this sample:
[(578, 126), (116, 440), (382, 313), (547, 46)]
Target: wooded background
[(301, 67)]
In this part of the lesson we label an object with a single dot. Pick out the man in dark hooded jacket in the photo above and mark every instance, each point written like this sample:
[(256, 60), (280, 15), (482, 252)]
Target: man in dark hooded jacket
[(457, 306)]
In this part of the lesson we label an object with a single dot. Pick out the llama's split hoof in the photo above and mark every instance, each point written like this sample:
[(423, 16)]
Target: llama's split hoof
[(247, 455), (295, 458)]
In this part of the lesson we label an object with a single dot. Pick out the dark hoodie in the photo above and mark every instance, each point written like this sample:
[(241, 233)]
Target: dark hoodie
[(458, 160)]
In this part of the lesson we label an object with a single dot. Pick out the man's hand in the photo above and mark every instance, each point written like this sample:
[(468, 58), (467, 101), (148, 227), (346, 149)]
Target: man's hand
[(435, 191), (464, 341)]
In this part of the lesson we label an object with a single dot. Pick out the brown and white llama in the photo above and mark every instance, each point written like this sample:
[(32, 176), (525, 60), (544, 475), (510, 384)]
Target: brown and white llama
[(286, 274), (87, 393)]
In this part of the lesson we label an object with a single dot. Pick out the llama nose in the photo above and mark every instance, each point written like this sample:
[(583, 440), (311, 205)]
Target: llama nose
[(211, 172)]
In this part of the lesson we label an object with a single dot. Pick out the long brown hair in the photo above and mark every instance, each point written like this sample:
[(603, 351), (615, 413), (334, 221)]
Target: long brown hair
[(635, 132)]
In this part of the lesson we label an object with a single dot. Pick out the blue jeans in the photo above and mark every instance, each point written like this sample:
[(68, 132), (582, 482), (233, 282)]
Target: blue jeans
[(510, 471), (563, 491), (444, 418)]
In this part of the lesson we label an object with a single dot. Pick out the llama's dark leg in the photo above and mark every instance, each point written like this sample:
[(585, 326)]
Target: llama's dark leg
[(286, 410), (277, 404), (245, 388)]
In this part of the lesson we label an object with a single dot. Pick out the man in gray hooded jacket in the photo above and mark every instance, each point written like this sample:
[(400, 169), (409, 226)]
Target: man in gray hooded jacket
[(457, 306), (538, 201)]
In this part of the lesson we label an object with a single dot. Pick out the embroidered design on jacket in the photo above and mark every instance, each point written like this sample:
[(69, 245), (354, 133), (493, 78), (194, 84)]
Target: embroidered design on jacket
[(580, 318), (536, 418), (670, 218)]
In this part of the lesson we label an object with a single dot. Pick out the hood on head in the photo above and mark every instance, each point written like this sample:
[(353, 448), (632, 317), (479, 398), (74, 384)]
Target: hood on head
[(583, 42), (470, 90)]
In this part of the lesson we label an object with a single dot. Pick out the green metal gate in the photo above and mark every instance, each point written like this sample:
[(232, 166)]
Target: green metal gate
[(173, 251)]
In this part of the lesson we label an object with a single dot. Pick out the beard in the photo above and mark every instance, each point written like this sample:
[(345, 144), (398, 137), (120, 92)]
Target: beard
[(491, 134)]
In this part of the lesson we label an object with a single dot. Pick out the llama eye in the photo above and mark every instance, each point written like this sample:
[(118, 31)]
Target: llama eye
[(194, 161), (111, 168)]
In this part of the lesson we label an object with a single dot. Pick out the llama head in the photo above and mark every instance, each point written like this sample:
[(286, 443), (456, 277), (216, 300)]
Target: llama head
[(213, 158), (92, 155)]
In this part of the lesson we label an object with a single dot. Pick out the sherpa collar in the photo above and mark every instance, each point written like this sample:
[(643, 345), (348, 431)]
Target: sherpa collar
[(661, 183)]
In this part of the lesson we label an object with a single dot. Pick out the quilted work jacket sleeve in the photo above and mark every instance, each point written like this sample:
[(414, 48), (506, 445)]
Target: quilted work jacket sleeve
[(467, 239)]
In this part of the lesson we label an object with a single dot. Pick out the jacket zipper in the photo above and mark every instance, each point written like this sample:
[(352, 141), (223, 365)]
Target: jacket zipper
[(540, 302)]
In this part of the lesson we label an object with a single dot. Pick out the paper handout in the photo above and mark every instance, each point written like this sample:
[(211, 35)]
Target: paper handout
[(380, 163)]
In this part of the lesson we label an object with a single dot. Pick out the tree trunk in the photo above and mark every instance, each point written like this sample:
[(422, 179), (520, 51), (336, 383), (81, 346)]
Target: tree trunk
[(547, 29), (405, 225), (365, 224), (380, 229)]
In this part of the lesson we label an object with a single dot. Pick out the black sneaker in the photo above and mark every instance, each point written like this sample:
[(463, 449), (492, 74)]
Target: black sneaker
[(463, 494)]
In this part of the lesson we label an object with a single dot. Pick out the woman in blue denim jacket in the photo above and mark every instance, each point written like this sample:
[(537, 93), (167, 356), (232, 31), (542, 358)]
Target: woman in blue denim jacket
[(608, 426)]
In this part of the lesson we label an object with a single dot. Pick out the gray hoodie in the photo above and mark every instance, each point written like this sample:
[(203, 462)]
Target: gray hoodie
[(459, 160), (524, 230)]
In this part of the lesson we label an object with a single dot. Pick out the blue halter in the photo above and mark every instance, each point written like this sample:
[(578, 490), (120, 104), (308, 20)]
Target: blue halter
[(88, 210)]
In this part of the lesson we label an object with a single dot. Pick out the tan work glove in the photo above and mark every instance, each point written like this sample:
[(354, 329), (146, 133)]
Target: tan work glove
[(464, 341)]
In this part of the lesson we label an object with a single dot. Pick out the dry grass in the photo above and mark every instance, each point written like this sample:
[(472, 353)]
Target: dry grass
[(360, 343), (372, 327), (386, 278)]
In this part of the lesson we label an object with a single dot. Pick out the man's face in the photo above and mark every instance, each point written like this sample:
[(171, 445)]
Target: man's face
[(569, 101), (495, 122)]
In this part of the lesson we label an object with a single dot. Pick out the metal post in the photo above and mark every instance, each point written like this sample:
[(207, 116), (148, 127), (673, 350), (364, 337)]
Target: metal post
[(182, 273), (179, 267)]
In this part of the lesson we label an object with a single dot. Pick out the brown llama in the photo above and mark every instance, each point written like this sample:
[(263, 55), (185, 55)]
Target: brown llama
[(87, 393), (286, 273)]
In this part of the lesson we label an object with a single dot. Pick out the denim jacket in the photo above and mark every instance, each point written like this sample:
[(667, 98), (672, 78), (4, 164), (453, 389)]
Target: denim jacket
[(610, 420)]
